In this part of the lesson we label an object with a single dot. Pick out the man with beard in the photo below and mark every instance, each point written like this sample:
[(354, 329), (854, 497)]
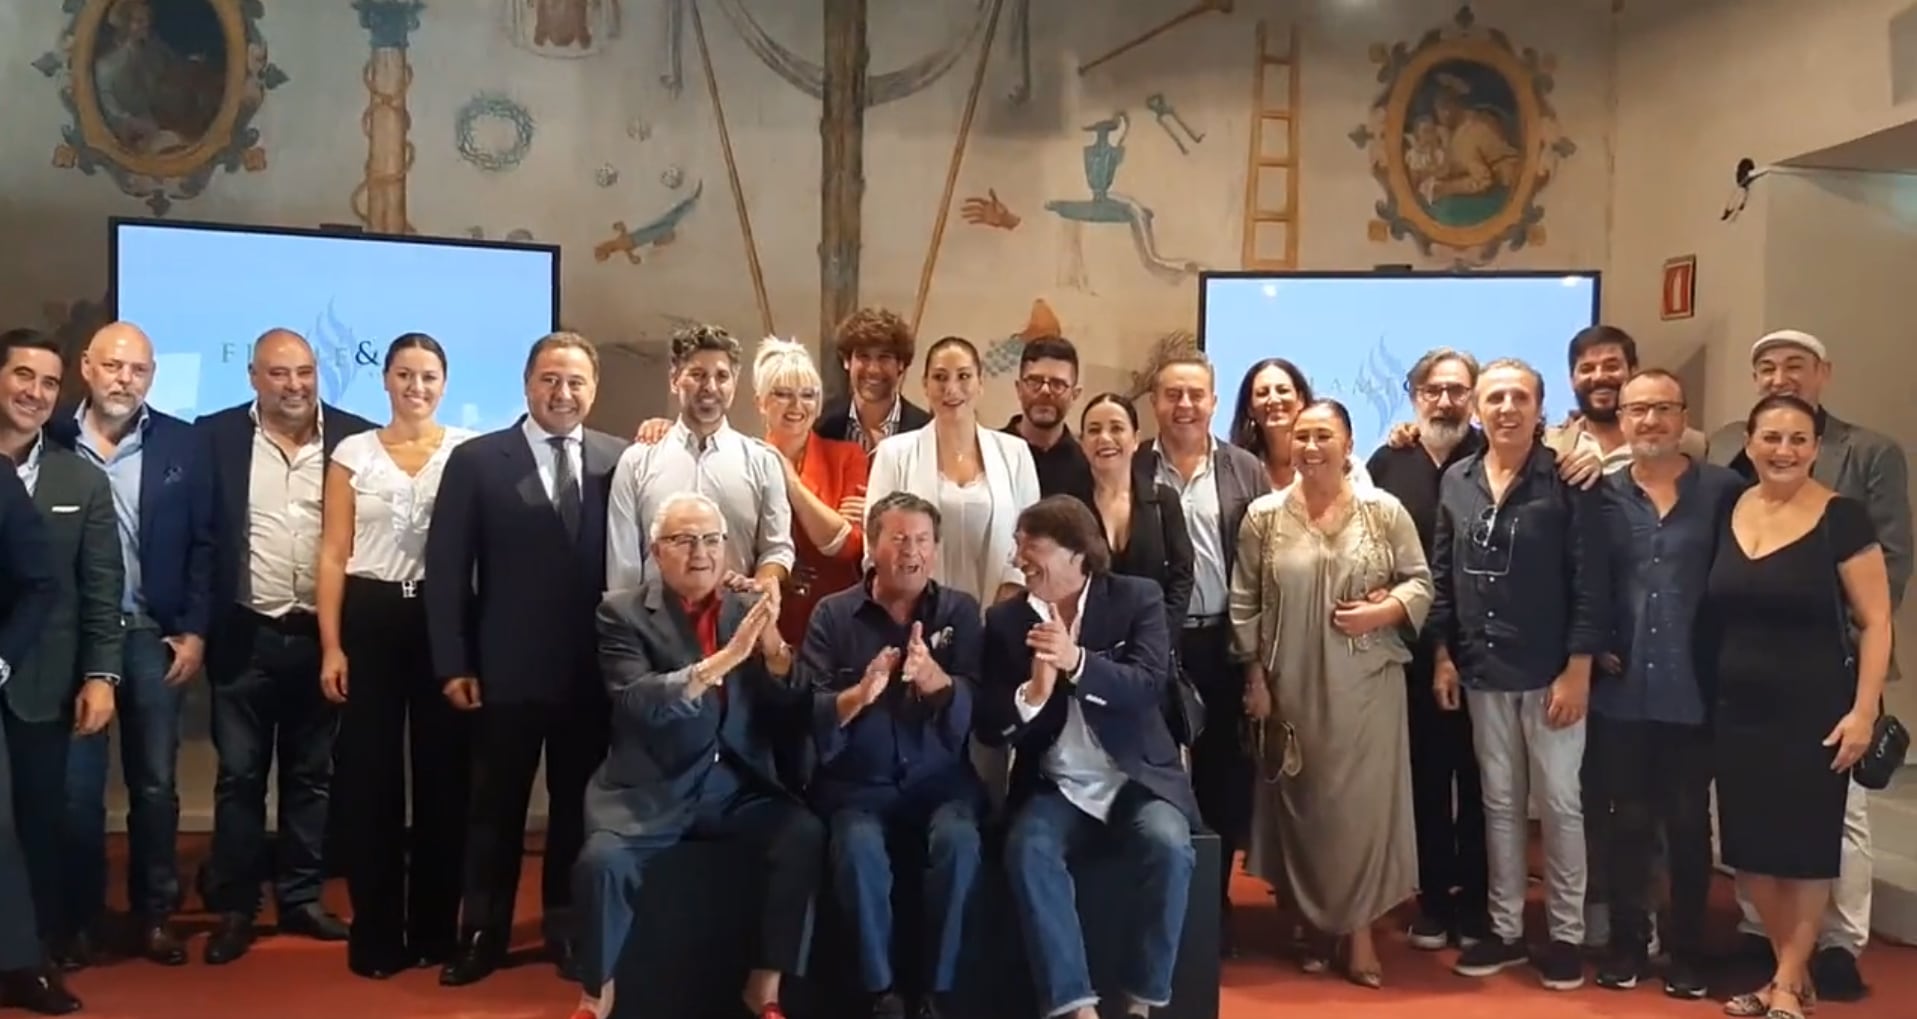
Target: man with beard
[(1602, 357), (701, 453), (1047, 388), (263, 656), (876, 347), (64, 689), (515, 569), (1648, 766), (1521, 609), (1867, 466), (1446, 798), (162, 490)]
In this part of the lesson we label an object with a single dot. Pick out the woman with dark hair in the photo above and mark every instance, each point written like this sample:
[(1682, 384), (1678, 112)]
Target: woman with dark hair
[(380, 489), (1143, 521), (1273, 392), (1796, 698), (1331, 582)]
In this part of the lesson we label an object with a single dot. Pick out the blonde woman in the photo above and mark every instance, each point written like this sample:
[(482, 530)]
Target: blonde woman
[(1331, 580), (824, 481)]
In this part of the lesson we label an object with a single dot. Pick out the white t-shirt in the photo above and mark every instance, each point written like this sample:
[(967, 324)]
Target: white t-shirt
[(391, 510)]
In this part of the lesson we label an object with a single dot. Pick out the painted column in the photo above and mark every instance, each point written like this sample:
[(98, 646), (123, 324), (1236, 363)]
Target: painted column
[(380, 199)]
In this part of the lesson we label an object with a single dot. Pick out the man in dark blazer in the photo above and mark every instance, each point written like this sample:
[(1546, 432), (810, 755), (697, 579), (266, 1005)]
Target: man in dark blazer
[(876, 346), (269, 457), (1074, 681), (65, 686), (27, 593), (162, 486), (515, 565), (1216, 483), (702, 699)]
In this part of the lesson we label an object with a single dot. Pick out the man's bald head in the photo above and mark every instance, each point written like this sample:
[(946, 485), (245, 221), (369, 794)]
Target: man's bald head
[(285, 377), (117, 369)]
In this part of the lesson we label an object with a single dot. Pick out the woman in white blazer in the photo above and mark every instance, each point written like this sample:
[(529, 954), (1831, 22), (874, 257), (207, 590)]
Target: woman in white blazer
[(977, 477)]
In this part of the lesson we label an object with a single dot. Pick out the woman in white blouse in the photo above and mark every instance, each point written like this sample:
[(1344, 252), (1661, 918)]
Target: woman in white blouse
[(379, 496), (978, 478)]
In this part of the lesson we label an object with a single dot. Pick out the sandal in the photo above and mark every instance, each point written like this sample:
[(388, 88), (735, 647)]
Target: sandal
[(1372, 979), (1806, 1003), (1755, 1004)]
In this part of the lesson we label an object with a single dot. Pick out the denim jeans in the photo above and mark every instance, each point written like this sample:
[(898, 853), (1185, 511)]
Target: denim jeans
[(149, 725), (1156, 840), (862, 882), (1513, 740)]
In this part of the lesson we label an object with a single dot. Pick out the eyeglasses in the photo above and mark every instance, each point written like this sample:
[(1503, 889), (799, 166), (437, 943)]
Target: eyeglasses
[(794, 395), (1037, 383), (1662, 408), (688, 542), (1455, 393), (1492, 557)]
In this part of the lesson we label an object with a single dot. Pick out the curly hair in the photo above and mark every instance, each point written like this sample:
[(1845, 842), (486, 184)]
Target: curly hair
[(878, 330), (696, 339)]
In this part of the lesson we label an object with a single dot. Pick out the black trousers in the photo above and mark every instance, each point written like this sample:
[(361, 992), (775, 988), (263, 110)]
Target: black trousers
[(37, 759), (789, 838), (1652, 774), (1447, 805), (269, 715), (1221, 765), (404, 886), (506, 744)]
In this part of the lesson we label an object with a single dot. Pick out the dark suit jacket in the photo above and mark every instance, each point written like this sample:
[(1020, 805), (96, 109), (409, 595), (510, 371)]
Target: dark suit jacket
[(837, 415), (664, 745), (1240, 478), (228, 435), (176, 519), (1120, 689), (509, 598), (26, 570), (84, 630), (1159, 546)]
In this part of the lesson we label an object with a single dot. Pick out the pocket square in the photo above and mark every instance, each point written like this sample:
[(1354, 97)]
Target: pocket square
[(1095, 700), (173, 474), (940, 639), (64, 509)]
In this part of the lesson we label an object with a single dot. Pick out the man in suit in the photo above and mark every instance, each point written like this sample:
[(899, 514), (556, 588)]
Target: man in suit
[(895, 663), (515, 564), (162, 487), (1215, 482), (701, 688), (1870, 467), (876, 346), (1074, 677), (65, 688), (269, 457), (28, 590)]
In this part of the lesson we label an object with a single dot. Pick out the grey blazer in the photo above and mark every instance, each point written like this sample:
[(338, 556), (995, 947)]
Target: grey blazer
[(663, 745), (1240, 477), (84, 630)]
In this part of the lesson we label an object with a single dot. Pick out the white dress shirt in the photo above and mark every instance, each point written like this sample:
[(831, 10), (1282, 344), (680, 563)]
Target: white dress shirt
[(1082, 770), (742, 474), (283, 522), (390, 507)]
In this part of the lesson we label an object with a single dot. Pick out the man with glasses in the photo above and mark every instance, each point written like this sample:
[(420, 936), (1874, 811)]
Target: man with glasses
[(1446, 799), (701, 453), (1649, 765), (1047, 388), (1522, 595), (876, 347), (895, 661)]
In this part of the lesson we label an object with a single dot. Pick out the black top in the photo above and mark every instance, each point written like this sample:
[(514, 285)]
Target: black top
[(1521, 584), (1158, 548), (1411, 476), (1062, 466)]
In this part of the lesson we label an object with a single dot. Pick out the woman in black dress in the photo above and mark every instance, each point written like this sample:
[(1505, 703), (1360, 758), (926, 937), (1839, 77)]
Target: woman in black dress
[(1795, 700)]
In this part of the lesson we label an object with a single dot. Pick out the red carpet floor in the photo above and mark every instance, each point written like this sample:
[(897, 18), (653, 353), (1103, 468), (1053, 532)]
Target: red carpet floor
[(286, 978)]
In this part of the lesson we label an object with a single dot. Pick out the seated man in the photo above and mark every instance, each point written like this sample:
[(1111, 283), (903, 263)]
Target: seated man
[(699, 691), (1073, 679), (893, 755)]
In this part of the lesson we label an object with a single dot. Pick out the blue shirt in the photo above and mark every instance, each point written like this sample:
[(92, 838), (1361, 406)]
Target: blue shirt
[(123, 470), (901, 747), (1660, 567)]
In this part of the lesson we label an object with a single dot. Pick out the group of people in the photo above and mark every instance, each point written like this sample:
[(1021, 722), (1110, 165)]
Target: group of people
[(877, 620)]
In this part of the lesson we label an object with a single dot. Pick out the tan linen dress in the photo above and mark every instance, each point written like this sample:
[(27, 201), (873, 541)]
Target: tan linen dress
[(1331, 810)]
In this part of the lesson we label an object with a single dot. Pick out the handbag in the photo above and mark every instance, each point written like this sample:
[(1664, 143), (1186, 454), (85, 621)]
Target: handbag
[(1889, 740), (1184, 705)]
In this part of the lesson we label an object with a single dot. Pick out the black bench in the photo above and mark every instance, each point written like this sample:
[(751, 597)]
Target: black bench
[(698, 907)]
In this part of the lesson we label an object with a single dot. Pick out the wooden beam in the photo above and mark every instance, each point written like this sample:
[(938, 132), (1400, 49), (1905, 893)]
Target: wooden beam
[(841, 176)]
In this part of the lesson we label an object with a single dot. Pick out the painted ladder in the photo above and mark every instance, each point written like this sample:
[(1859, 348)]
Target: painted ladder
[(1271, 176)]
